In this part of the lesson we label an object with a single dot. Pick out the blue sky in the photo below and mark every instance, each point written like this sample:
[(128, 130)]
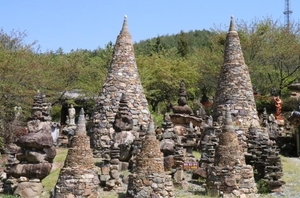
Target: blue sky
[(89, 24)]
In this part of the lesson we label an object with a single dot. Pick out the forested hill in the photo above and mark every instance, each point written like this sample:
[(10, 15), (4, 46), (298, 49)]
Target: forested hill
[(194, 39), (271, 53)]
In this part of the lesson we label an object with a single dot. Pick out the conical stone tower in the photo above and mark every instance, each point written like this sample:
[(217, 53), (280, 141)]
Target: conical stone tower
[(234, 86), (148, 178), (122, 77), (78, 177), (230, 176)]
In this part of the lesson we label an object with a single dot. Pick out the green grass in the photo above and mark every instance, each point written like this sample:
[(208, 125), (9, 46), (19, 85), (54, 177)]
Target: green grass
[(61, 155), (50, 181), (291, 179), (197, 155), (9, 196)]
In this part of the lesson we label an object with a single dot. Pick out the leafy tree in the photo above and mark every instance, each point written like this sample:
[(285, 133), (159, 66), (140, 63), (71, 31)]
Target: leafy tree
[(18, 77), (183, 45), (272, 54), (161, 76)]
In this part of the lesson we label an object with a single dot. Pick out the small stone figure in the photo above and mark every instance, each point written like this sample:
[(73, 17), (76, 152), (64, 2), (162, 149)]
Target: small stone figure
[(210, 121), (182, 107), (278, 105), (72, 113), (18, 111)]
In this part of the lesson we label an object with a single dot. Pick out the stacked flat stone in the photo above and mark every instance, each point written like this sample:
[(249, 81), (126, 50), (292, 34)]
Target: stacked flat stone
[(148, 178), (122, 77), (36, 153), (209, 141), (263, 154), (189, 143), (78, 178), (41, 109), (230, 176), (234, 86)]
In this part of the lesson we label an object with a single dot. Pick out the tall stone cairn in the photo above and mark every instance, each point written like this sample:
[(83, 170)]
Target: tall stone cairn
[(122, 77), (230, 176), (235, 89), (148, 178), (234, 86), (31, 160), (78, 178)]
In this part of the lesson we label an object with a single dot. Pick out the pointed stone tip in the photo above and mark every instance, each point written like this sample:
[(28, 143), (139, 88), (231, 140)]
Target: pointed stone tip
[(232, 25), (123, 97), (125, 26), (151, 128)]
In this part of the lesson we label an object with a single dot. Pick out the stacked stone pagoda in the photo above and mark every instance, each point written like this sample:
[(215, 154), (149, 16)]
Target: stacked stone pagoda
[(230, 175), (78, 177), (32, 162), (122, 77), (234, 86), (148, 178), (235, 89)]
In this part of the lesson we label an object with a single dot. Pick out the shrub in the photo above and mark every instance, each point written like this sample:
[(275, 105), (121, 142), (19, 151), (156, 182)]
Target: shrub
[(290, 104), (262, 187)]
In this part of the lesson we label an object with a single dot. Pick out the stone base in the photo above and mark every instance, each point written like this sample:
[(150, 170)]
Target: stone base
[(153, 185), (236, 180), (77, 183), (29, 189)]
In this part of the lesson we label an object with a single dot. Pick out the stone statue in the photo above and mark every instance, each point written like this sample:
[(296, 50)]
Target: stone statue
[(18, 111), (278, 105), (210, 121), (182, 107), (72, 113)]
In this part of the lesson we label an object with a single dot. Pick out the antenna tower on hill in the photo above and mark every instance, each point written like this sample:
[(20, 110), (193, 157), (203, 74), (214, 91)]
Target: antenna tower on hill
[(287, 12)]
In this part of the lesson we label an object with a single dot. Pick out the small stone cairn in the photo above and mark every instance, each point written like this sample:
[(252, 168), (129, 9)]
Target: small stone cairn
[(120, 152), (34, 158), (209, 141), (263, 154), (183, 121), (230, 176), (78, 177), (168, 144), (148, 178)]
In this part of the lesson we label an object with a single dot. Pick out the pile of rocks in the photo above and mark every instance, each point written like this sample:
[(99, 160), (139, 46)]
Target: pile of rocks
[(122, 77), (120, 150), (230, 175), (34, 158), (234, 85), (78, 177), (41, 110), (148, 178), (209, 141), (235, 88), (263, 155)]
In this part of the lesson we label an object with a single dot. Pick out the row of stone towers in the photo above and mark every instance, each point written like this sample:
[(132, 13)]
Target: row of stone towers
[(234, 104)]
